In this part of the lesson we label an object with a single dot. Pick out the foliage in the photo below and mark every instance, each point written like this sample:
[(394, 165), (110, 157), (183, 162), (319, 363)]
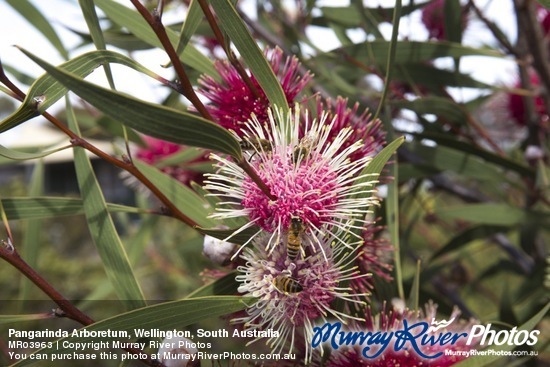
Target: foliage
[(466, 203)]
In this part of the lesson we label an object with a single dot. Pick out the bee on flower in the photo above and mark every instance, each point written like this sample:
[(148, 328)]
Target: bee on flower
[(290, 295), (318, 185)]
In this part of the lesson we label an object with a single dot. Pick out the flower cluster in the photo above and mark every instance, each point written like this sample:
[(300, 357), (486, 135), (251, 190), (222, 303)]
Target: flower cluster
[(433, 18), (308, 233), (232, 103), (393, 320), (312, 243), (311, 180), (516, 104), (158, 151), (291, 294)]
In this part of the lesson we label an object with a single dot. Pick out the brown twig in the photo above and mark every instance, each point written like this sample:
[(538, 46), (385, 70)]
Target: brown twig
[(12, 257), (188, 91), (70, 311), (227, 48), (183, 80), (249, 170)]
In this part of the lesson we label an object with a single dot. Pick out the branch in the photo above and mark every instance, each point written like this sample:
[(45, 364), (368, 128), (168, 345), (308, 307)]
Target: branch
[(185, 85)]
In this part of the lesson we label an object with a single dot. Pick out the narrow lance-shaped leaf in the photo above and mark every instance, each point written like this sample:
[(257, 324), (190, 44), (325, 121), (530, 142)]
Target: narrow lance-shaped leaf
[(373, 169), (376, 52), (227, 285), (11, 319), (45, 91), (192, 22), (90, 15), (102, 229), (234, 26), (180, 195), (494, 214), (164, 316), (49, 207), (33, 230), (151, 119), (23, 156)]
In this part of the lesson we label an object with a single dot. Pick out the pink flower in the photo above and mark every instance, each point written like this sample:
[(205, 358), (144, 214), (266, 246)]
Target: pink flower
[(158, 151), (364, 129), (393, 320), (289, 295), (231, 101), (311, 178), (516, 104), (433, 17)]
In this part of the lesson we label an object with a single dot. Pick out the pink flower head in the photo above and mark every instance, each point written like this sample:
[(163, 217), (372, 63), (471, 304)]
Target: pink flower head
[(392, 321), (158, 150), (543, 16), (433, 17), (289, 295), (231, 101), (516, 105), (309, 179), (364, 129)]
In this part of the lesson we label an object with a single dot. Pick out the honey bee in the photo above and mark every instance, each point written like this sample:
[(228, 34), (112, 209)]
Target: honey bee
[(301, 151), (294, 240), (255, 144), (286, 284)]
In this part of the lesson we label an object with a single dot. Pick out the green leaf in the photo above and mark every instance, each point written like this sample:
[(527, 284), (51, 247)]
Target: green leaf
[(350, 18), (452, 142), (376, 52), (467, 236), (164, 316), (185, 199), (90, 15), (453, 13), (102, 229), (492, 214), (481, 361), (414, 295), (192, 22), (433, 78), (117, 38), (10, 319), (33, 230), (379, 161), (442, 107), (232, 23), (151, 119), (227, 285), (448, 159), (49, 207), (23, 156), (37, 20), (134, 22), (545, 3), (45, 91)]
